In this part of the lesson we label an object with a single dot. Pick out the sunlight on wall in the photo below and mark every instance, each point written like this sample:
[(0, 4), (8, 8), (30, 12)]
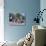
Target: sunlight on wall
[(1, 21), (1, 25)]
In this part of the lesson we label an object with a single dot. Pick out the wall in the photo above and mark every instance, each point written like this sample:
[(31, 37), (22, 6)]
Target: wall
[(1, 21), (28, 7), (43, 6)]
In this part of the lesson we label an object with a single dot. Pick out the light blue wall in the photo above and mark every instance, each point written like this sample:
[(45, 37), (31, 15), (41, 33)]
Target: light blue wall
[(43, 6), (28, 7)]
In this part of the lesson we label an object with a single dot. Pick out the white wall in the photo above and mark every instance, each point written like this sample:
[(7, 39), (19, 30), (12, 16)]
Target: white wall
[(1, 21)]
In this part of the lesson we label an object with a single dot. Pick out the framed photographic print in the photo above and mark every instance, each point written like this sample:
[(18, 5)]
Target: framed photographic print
[(17, 19)]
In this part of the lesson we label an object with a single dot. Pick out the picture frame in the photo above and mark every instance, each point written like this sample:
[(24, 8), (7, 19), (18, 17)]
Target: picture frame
[(17, 19)]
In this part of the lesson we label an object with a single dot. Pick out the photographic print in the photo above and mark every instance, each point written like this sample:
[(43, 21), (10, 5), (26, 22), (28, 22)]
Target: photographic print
[(17, 19)]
